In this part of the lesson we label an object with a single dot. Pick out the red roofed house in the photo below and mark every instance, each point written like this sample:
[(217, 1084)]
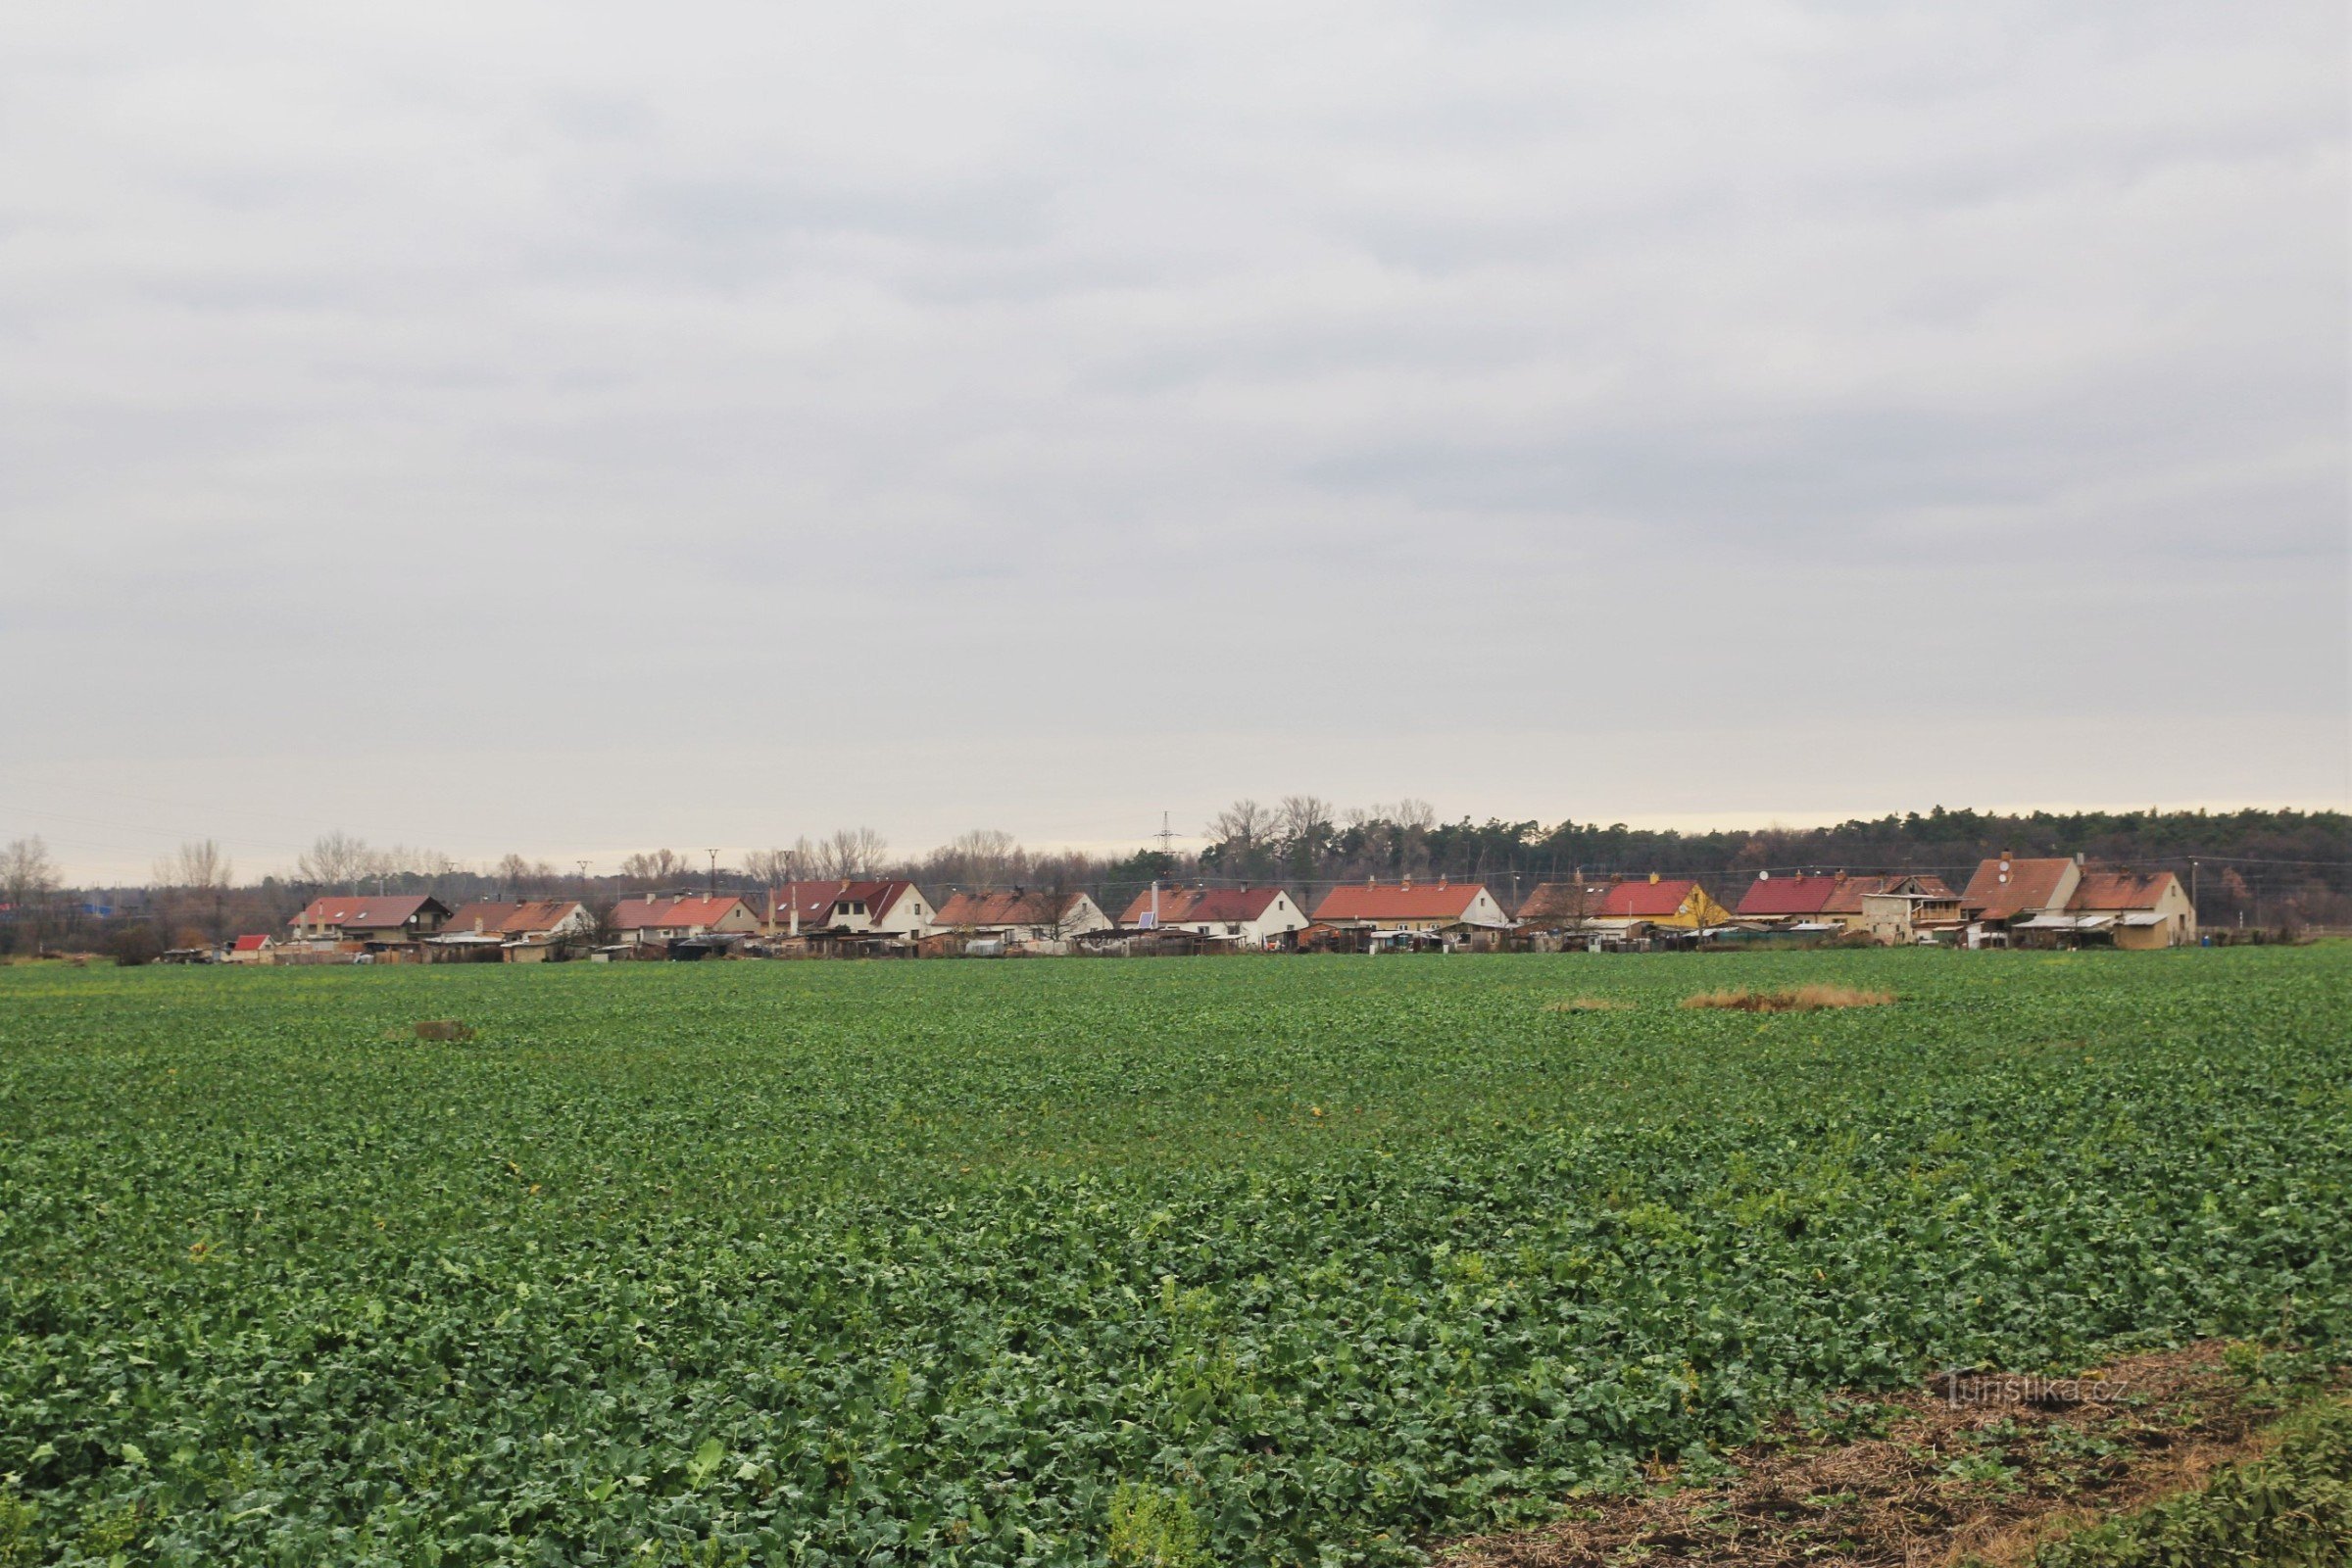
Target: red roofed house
[(2010, 895), (257, 949), (1824, 900), (1798, 898), (1618, 906), (1250, 917), (1674, 901), (1410, 906), (1021, 916), (383, 922), (2138, 911), (523, 933), (846, 907), (642, 922), (1563, 905)]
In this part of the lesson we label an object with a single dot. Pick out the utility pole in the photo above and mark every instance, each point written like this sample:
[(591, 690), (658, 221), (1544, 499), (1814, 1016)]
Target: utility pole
[(711, 886)]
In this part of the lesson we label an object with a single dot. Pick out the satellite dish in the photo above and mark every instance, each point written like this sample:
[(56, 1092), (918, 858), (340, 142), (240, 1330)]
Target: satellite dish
[(1763, 876)]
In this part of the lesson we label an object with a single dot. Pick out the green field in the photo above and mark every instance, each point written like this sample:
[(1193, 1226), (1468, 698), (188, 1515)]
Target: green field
[(1282, 1260)]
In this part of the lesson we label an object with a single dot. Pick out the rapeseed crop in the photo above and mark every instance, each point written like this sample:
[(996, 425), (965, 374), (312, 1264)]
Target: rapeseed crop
[(1236, 1261)]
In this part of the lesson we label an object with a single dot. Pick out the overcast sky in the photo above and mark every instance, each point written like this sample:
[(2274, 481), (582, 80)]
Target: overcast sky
[(576, 428)]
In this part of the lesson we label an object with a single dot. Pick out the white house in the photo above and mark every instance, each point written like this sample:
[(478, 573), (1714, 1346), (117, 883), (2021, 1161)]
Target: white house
[(648, 920), (848, 906), (1021, 916), (1253, 917)]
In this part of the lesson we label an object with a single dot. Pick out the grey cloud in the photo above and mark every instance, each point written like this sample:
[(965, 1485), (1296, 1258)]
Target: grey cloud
[(992, 356)]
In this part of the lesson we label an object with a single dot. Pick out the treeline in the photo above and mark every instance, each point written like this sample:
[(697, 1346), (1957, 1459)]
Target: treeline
[(2294, 865), (2260, 866)]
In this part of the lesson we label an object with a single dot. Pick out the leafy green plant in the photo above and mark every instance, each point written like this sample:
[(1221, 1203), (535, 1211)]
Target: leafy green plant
[(922, 1263), (2290, 1509), (1154, 1529)]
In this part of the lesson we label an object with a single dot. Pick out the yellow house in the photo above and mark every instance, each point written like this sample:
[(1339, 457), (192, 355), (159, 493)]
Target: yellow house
[(2136, 911), (1669, 900)]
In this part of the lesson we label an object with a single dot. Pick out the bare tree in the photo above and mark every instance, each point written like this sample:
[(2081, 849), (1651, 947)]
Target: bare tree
[(28, 877), (1303, 817), (983, 857), (199, 866), (655, 868), (25, 870), (515, 873), (337, 860), (849, 852), (403, 860), (770, 868), (1243, 823)]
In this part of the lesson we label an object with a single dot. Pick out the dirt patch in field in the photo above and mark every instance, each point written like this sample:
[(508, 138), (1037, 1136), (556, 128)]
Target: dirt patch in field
[(1802, 999), (1934, 1483)]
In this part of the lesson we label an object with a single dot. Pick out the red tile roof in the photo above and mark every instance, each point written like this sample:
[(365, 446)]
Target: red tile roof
[(2030, 885), (642, 915), (815, 899), (2120, 890), (1797, 893), (511, 919), (358, 913), (1820, 894), (1562, 901), (705, 911), (1395, 900), (1645, 900), (1031, 908), (1186, 904), (1173, 902), (252, 944), (633, 914), (1233, 903)]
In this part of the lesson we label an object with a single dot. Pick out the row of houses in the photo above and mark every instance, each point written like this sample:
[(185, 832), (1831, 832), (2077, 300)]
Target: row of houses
[(2008, 901)]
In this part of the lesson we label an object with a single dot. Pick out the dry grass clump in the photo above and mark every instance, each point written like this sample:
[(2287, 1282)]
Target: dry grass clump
[(1801, 999), (1590, 1005)]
